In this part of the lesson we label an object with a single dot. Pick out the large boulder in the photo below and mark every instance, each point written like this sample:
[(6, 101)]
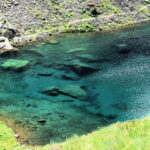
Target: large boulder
[(15, 65), (6, 47), (10, 33), (8, 30)]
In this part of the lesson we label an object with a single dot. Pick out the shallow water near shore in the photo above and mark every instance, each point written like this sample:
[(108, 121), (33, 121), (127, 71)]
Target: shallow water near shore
[(118, 89)]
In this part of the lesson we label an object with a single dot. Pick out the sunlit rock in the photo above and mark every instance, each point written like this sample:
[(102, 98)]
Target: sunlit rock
[(15, 65), (53, 42), (5, 47)]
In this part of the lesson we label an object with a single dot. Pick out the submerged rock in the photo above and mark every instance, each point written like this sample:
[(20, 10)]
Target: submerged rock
[(53, 42), (74, 91), (5, 47), (76, 50), (42, 121), (35, 52), (52, 91), (99, 115), (111, 117), (123, 48), (121, 106), (45, 73), (70, 76), (122, 45), (88, 58), (16, 65), (83, 68)]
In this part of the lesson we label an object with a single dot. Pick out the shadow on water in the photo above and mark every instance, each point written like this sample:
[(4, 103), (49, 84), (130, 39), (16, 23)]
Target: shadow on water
[(113, 68)]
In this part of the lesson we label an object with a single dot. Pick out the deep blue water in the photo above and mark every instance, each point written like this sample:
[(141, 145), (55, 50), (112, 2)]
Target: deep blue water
[(118, 91)]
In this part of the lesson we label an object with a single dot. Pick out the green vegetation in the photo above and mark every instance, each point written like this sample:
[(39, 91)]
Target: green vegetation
[(102, 16), (7, 138), (130, 135), (133, 135), (143, 10), (107, 8), (72, 16), (82, 26)]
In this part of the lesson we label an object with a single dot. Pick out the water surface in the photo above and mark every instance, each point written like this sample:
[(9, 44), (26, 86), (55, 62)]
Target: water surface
[(118, 91)]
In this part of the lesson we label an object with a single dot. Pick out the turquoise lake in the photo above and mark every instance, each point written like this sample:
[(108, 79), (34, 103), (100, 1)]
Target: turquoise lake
[(112, 68)]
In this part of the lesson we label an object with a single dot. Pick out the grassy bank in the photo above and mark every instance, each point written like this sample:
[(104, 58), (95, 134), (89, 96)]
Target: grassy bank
[(130, 135), (7, 138)]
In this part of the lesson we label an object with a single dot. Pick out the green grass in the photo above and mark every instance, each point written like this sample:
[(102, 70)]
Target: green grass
[(130, 135), (7, 138)]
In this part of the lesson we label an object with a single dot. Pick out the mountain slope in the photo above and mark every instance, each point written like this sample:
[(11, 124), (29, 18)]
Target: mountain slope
[(42, 18)]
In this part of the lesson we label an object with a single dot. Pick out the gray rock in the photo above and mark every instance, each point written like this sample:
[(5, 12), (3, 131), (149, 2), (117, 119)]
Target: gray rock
[(9, 34), (5, 47), (148, 7)]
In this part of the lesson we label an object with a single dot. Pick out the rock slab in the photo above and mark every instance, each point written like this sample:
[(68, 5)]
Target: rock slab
[(83, 68), (74, 91), (15, 65)]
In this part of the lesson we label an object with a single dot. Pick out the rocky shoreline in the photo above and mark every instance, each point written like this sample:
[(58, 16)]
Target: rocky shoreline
[(23, 23), (24, 40), (29, 39)]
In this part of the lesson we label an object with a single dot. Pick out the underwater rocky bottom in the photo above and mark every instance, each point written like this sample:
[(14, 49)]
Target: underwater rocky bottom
[(75, 83)]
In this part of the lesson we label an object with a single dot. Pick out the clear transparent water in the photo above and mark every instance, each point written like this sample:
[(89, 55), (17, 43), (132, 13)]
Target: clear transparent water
[(119, 91)]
